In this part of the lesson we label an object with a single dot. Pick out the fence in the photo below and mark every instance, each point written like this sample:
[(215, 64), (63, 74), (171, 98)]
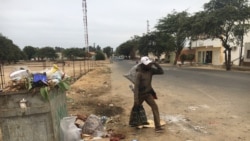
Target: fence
[(2, 82), (74, 68)]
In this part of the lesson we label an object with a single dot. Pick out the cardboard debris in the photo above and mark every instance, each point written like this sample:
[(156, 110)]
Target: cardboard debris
[(152, 124)]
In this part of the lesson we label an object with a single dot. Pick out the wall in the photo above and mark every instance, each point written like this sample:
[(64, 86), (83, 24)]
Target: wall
[(205, 43), (217, 55), (247, 47), (217, 48)]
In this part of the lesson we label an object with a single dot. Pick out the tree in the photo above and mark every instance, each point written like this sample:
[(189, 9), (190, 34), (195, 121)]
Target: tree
[(183, 58), (134, 44), (190, 57), (99, 56), (108, 51), (125, 49), (162, 43), (220, 19), (74, 52), (30, 52), (47, 52), (175, 24), (145, 44), (9, 52)]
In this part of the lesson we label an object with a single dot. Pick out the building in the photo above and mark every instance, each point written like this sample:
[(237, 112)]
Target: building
[(246, 56), (212, 52)]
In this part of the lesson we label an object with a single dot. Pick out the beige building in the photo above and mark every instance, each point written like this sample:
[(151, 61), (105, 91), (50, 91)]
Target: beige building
[(246, 55), (212, 52)]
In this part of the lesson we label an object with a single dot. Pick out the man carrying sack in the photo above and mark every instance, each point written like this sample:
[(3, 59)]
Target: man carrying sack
[(143, 91)]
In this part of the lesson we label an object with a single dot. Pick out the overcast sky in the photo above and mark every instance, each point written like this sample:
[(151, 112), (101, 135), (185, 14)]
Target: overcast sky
[(41, 23)]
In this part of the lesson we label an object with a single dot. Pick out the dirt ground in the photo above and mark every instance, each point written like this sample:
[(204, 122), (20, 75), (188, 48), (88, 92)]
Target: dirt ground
[(104, 91)]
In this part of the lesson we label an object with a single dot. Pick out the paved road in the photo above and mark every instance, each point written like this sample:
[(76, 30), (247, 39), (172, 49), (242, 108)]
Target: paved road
[(211, 104), (197, 81)]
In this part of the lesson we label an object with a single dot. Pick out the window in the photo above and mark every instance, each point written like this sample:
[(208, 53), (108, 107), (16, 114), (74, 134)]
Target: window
[(248, 54)]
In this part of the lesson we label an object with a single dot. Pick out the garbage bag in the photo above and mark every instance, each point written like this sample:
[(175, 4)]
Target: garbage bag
[(69, 131), (19, 74), (138, 116), (39, 80), (92, 125), (131, 75)]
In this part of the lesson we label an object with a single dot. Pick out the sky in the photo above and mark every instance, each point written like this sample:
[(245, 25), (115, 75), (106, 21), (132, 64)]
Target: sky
[(59, 23)]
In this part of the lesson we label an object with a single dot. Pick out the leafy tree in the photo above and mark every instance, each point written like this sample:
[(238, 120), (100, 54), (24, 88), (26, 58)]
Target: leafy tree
[(129, 47), (98, 48), (47, 52), (74, 52), (99, 56), (108, 51), (183, 58), (125, 49), (176, 24), (220, 19), (144, 44), (9, 52), (162, 43), (134, 43), (30, 52), (59, 49), (190, 57)]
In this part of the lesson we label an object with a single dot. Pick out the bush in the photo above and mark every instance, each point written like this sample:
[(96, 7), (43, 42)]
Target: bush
[(99, 56), (183, 57), (190, 57)]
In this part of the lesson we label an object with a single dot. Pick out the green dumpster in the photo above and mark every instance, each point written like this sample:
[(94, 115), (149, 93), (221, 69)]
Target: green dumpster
[(38, 120)]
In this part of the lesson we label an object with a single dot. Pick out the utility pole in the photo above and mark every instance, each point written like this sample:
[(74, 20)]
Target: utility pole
[(148, 26), (85, 22)]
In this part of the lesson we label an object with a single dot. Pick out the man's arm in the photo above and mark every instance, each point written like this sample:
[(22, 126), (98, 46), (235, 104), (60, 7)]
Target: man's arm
[(158, 69)]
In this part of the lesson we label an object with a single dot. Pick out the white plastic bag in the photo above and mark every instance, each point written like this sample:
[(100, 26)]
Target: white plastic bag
[(69, 130), (131, 75)]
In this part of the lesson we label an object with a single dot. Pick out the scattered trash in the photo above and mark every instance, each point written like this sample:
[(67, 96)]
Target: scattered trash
[(173, 118), (92, 125), (70, 132), (88, 128), (193, 108), (104, 119), (152, 124), (19, 74)]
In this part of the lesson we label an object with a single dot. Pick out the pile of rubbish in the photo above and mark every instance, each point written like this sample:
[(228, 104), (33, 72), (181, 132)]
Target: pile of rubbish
[(87, 128), (24, 79)]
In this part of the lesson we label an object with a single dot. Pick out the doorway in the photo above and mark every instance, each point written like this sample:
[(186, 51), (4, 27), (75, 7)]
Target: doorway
[(209, 55), (205, 57)]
